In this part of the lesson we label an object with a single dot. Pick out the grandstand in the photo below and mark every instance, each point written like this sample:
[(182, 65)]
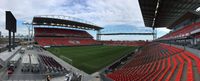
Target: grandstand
[(64, 50), (125, 43), (185, 33), (62, 37), (68, 37), (163, 59), (46, 36), (158, 61)]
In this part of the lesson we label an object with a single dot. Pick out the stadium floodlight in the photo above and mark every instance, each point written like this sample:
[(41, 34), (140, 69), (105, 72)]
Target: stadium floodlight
[(29, 30)]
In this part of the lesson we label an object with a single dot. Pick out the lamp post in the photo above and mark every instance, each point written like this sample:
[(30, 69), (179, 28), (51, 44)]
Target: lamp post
[(29, 30)]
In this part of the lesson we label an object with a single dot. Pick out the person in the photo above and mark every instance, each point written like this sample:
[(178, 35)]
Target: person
[(48, 78), (67, 77)]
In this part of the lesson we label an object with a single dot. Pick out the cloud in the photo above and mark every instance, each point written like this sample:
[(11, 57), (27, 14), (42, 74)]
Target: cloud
[(163, 30), (104, 13)]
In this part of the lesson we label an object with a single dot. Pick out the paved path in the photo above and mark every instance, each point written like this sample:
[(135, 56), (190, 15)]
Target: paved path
[(6, 55), (18, 75)]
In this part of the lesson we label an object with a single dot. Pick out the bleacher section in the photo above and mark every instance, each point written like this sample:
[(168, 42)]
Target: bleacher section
[(62, 37), (125, 43), (53, 41), (158, 62), (60, 32), (51, 64), (184, 32), (188, 35)]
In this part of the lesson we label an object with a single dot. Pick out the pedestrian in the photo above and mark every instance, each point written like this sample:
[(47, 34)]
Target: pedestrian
[(48, 78)]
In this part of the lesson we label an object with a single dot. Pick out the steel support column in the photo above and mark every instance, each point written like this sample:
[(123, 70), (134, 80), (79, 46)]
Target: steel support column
[(9, 38), (154, 33), (13, 41), (98, 36)]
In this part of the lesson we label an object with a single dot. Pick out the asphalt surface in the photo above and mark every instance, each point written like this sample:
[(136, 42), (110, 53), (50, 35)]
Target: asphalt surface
[(19, 75)]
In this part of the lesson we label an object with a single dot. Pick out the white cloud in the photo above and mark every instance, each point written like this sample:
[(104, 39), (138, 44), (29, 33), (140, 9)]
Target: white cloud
[(101, 12), (163, 30), (106, 12)]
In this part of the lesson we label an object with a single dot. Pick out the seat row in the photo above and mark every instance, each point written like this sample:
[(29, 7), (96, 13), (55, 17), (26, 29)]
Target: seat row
[(158, 62), (60, 32), (61, 41), (51, 65), (183, 32), (125, 43)]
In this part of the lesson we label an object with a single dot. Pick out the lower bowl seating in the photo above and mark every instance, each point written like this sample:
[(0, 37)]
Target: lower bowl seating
[(158, 62)]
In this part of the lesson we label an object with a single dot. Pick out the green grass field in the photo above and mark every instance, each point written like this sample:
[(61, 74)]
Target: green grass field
[(91, 58)]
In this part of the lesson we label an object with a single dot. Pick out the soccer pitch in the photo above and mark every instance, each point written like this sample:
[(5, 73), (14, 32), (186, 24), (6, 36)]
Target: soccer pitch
[(91, 58)]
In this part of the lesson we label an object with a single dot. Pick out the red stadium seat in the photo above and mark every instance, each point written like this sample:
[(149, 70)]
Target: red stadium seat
[(62, 37), (183, 31), (157, 62), (189, 67), (180, 69), (160, 71), (197, 60), (165, 71), (173, 69), (125, 43)]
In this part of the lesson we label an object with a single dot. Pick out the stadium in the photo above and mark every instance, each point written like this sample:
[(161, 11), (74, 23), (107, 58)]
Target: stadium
[(62, 48)]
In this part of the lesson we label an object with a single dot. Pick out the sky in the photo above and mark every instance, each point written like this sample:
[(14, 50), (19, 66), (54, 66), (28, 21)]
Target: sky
[(113, 15)]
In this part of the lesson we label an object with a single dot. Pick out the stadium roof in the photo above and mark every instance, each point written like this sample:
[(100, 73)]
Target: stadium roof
[(162, 13), (47, 21), (187, 15)]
